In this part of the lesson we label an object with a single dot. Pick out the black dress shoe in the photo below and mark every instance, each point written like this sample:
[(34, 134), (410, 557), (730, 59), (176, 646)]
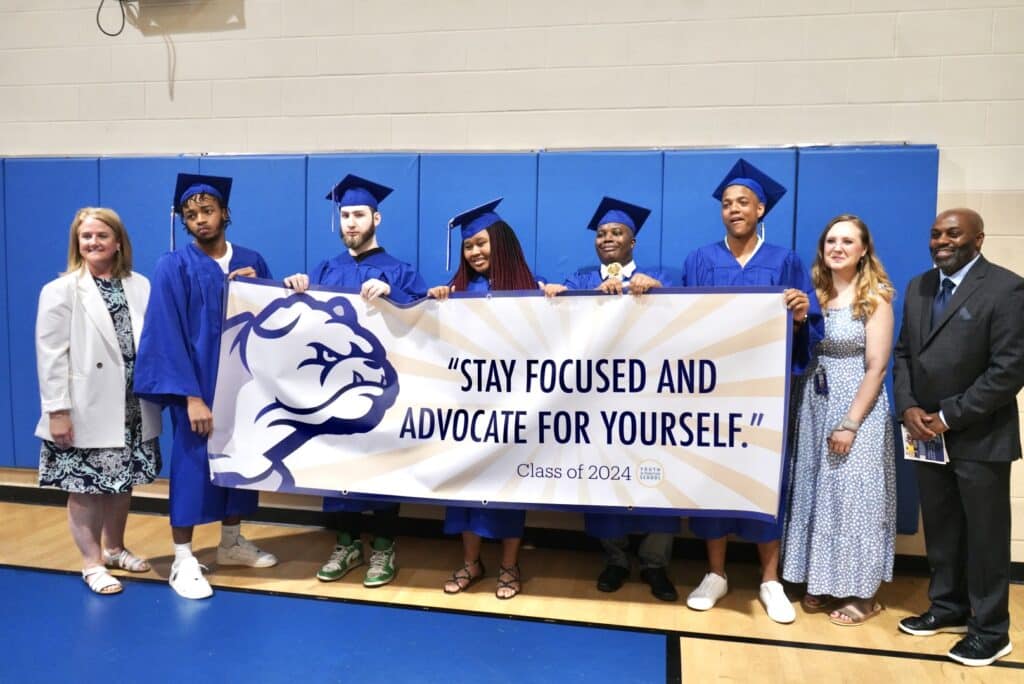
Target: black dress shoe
[(612, 577), (974, 651), (661, 585), (927, 624)]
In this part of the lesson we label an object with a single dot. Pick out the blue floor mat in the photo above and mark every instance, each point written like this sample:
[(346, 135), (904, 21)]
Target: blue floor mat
[(54, 630)]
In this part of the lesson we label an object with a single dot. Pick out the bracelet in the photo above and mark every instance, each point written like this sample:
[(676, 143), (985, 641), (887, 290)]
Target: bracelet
[(848, 423)]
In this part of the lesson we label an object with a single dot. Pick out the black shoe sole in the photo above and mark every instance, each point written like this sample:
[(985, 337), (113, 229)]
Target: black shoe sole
[(982, 662), (950, 629)]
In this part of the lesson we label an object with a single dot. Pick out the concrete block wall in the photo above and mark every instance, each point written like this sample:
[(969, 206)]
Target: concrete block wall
[(272, 76)]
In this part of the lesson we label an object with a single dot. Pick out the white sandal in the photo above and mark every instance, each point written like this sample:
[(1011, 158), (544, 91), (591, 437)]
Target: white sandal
[(126, 560), (100, 581)]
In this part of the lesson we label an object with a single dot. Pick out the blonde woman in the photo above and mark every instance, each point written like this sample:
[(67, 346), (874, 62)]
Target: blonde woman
[(99, 440), (841, 530)]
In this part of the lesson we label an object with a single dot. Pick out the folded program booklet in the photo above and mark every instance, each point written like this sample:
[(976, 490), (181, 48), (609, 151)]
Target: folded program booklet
[(927, 451)]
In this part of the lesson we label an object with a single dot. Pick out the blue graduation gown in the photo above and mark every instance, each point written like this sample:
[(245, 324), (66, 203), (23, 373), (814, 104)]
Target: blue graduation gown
[(407, 285), (715, 266), (590, 278), (177, 358), (350, 272), (619, 522), (492, 523)]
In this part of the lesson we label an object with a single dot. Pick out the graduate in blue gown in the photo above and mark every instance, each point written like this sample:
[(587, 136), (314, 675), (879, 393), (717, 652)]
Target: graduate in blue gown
[(616, 225), (366, 267), (492, 260), (743, 258), (177, 367)]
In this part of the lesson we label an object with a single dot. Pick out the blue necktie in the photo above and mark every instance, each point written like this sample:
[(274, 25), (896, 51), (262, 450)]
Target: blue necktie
[(942, 300)]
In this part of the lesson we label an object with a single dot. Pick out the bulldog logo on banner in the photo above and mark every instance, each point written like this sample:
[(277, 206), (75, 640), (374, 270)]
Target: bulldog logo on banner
[(314, 370)]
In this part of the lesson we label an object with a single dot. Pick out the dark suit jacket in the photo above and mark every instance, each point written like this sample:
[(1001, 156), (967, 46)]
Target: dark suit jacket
[(971, 365)]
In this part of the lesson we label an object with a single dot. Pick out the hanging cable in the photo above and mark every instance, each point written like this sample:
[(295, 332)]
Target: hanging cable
[(99, 9)]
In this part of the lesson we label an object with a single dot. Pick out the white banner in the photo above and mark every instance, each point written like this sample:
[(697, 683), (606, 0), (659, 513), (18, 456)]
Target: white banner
[(674, 400)]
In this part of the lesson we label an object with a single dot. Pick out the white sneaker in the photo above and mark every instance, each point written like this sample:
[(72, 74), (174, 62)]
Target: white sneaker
[(244, 552), (187, 579), (776, 604), (707, 593)]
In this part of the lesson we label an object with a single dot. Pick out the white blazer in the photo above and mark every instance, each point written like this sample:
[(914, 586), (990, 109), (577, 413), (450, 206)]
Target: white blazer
[(79, 361)]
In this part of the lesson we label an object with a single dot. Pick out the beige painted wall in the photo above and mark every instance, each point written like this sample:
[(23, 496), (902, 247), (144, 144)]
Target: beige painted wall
[(219, 76)]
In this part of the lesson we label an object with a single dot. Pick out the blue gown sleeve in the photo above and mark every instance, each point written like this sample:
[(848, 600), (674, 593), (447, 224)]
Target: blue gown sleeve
[(409, 286), (316, 276), (691, 270), (164, 368), (812, 331), (661, 277), (262, 270)]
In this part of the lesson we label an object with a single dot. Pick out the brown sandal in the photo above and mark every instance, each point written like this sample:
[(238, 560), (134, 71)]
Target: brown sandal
[(856, 615), (818, 603), (514, 583), (463, 578)]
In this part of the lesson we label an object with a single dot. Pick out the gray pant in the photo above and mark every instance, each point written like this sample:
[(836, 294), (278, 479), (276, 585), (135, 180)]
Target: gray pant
[(654, 552)]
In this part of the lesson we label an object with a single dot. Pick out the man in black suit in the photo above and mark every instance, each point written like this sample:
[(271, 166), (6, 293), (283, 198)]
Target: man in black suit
[(959, 364)]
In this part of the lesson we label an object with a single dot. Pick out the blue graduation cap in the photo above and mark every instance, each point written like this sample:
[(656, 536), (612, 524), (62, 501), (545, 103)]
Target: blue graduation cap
[(767, 189), (191, 184), (612, 210), (354, 191), (471, 222)]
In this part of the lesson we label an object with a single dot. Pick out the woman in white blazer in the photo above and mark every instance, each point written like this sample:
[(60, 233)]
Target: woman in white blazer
[(99, 440)]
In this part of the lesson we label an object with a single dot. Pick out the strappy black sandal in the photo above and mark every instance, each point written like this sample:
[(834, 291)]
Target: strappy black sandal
[(514, 583), (463, 578)]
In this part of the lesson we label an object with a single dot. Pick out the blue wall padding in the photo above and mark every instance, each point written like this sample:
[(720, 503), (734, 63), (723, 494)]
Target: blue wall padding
[(693, 218), (266, 212), (141, 190), (6, 431), (894, 190), (42, 196), (453, 183), (398, 232), (278, 208), (569, 188)]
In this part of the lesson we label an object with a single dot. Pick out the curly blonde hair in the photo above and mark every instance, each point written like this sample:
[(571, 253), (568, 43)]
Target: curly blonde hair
[(872, 285)]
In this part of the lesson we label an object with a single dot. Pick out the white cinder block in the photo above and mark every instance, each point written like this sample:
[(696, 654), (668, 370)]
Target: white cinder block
[(945, 123), (786, 83), (618, 12), (152, 62), (278, 57), (995, 77), (851, 36), (280, 134), (504, 49), (352, 133), (246, 98), (594, 128), (307, 96), (580, 88), (1005, 124), (411, 16), (1007, 251), (211, 60), (600, 45), (183, 99), (318, 18), (547, 13), (804, 7), (980, 168), (895, 80), (54, 66), (704, 85), (966, 32), (1002, 212), (53, 29), (112, 102), (39, 103), (897, 5), (708, 42), (1008, 34), (428, 132)]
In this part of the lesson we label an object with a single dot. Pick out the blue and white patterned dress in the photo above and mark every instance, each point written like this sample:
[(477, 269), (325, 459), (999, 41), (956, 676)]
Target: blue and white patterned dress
[(107, 471), (841, 530)]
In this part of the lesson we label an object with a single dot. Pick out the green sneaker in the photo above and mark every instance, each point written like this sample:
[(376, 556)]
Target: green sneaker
[(343, 558), (382, 567)]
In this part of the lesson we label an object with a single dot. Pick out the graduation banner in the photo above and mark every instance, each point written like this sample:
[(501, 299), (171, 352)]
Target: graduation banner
[(673, 401)]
